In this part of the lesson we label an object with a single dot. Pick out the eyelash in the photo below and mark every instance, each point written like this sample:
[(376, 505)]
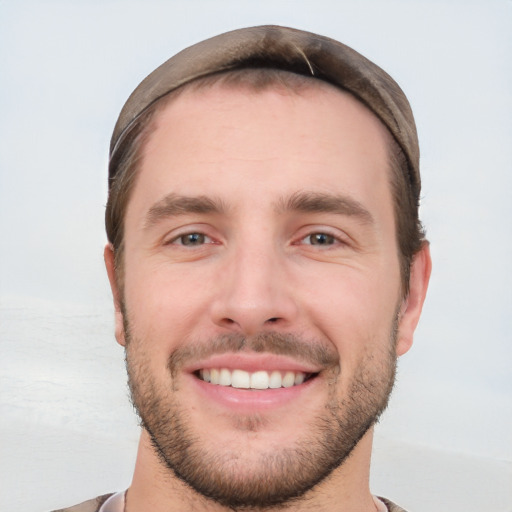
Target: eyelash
[(321, 239), (329, 240), (176, 240)]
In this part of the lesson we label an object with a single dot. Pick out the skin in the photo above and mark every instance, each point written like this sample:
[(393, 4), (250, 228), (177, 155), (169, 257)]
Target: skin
[(258, 271)]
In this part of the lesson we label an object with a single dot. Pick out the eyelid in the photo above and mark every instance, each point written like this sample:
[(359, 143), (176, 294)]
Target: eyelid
[(176, 239), (200, 229), (340, 237)]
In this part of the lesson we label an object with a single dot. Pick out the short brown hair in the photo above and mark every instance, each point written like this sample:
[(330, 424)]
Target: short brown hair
[(124, 167)]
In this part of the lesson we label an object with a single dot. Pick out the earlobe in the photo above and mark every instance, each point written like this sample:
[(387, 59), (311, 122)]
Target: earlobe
[(412, 305), (108, 255)]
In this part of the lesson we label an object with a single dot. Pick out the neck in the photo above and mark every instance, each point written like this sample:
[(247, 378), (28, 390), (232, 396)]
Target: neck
[(156, 488)]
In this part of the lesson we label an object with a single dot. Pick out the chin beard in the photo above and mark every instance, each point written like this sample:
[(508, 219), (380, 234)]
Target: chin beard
[(229, 475)]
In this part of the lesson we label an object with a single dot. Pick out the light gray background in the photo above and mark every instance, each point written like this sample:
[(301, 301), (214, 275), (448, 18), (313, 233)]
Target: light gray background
[(67, 431)]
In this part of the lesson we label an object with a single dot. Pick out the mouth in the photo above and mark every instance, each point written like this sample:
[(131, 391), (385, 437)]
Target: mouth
[(258, 380)]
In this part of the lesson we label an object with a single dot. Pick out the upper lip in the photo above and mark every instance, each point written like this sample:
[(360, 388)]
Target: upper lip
[(253, 362)]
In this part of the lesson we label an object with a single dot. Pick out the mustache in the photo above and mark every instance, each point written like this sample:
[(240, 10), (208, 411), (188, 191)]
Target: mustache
[(293, 345)]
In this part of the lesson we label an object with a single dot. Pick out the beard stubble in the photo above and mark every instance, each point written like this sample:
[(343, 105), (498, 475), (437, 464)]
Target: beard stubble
[(276, 477)]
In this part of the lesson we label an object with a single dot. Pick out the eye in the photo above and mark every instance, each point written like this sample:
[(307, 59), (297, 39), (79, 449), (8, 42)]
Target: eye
[(319, 239), (192, 239)]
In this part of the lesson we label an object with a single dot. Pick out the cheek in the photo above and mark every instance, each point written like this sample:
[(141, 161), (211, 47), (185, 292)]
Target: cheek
[(354, 309), (164, 302)]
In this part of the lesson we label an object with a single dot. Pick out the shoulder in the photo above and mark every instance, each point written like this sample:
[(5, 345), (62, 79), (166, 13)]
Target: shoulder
[(392, 507), (87, 506)]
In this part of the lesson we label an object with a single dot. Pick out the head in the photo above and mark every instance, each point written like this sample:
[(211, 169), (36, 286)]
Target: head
[(264, 234)]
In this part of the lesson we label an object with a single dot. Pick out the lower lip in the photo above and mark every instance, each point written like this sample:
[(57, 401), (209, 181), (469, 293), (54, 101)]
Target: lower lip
[(252, 400)]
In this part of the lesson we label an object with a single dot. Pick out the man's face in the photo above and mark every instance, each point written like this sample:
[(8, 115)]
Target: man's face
[(260, 251)]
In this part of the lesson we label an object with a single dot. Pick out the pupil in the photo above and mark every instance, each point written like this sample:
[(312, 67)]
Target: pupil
[(193, 239), (321, 239)]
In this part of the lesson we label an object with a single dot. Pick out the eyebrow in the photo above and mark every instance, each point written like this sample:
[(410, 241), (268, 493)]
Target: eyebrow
[(173, 205), (318, 202)]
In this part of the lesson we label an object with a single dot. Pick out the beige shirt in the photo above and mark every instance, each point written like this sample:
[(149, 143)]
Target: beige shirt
[(116, 504)]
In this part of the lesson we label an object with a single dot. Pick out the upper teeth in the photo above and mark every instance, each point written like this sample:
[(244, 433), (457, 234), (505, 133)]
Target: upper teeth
[(256, 380)]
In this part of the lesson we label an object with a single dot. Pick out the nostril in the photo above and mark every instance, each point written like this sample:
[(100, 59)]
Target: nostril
[(249, 324)]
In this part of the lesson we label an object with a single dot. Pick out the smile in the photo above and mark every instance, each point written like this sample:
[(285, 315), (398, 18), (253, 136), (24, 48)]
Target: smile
[(261, 379)]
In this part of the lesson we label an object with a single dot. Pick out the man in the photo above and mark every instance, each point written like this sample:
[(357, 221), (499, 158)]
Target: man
[(267, 266)]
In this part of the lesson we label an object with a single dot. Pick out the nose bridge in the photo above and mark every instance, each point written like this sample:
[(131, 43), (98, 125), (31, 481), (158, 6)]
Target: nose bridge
[(253, 292)]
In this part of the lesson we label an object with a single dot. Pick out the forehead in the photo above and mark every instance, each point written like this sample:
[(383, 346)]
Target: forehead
[(208, 137), (204, 112)]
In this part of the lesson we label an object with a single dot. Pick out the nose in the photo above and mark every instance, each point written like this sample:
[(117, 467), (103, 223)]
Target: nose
[(254, 293)]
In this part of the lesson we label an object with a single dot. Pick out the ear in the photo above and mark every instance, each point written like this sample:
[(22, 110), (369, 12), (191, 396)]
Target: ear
[(108, 255), (412, 305)]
